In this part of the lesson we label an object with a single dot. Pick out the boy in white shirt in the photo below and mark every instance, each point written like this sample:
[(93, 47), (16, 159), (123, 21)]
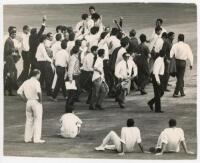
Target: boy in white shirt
[(170, 140), (130, 135)]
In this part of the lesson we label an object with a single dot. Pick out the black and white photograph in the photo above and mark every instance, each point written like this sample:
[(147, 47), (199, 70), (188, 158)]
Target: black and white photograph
[(101, 80)]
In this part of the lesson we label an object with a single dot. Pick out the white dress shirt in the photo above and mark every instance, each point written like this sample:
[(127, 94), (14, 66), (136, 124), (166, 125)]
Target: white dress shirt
[(113, 43), (69, 125), (62, 58), (98, 65), (158, 44), (172, 137), (131, 136), (124, 72), (41, 54), (103, 45), (30, 88), (56, 47), (119, 55), (88, 62), (70, 45), (25, 42), (182, 51), (158, 68)]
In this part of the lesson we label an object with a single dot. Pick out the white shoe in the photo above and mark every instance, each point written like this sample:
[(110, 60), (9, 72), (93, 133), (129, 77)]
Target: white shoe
[(100, 148), (29, 141), (40, 141)]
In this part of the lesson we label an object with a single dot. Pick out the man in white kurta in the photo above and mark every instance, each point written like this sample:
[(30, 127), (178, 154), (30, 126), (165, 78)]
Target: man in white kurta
[(30, 91)]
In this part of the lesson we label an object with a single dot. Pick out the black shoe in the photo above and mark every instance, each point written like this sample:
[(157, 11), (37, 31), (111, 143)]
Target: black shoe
[(99, 107), (183, 94), (11, 94), (175, 95), (167, 90), (122, 106), (143, 92), (87, 102), (159, 111), (150, 106)]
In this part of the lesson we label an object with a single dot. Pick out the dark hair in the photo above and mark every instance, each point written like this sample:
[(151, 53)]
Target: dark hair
[(71, 36), (119, 35), (101, 52), (63, 44), (84, 16), (78, 43), (158, 28), (25, 27), (64, 28), (35, 72), (172, 123), (69, 29), (91, 7), (33, 31), (58, 37), (124, 42), (132, 33), (74, 50), (181, 37), (43, 37), (164, 35), (170, 34), (103, 35), (94, 30), (12, 29), (114, 31), (49, 34), (59, 27), (143, 38), (95, 16), (94, 48), (160, 20), (162, 53), (130, 122)]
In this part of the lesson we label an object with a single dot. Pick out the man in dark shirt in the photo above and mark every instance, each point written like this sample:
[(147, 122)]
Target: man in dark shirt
[(34, 42), (10, 71), (167, 45)]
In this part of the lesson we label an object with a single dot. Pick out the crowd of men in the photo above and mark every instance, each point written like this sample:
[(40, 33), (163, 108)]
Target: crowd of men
[(99, 60)]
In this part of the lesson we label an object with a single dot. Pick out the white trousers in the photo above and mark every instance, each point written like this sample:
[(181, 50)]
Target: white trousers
[(114, 138), (33, 126)]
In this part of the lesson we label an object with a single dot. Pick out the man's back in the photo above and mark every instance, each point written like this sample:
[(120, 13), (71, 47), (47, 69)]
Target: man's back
[(130, 135), (172, 137), (69, 126)]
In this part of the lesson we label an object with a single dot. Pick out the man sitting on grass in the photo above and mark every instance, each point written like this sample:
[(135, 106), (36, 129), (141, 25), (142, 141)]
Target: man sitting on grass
[(129, 136), (170, 140), (70, 125)]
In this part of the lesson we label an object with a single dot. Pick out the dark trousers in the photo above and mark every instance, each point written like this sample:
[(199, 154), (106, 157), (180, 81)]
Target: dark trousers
[(158, 93), (86, 83), (166, 75), (33, 61), (180, 67), (46, 76), (26, 66), (73, 95), (60, 83), (99, 92)]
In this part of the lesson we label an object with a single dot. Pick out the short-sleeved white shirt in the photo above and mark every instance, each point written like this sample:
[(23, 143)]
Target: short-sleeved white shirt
[(130, 135), (172, 137), (113, 43), (30, 88), (62, 58), (98, 65), (69, 125)]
